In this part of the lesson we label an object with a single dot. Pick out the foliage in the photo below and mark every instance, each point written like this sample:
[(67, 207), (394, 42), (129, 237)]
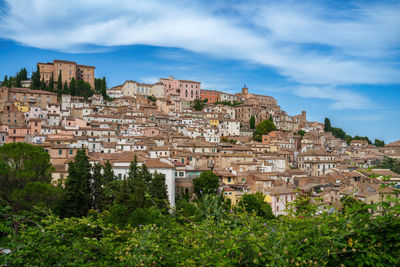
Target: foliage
[(25, 175), (379, 143), (76, 199), (339, 133), (36, 83), (228, 140), (152, 98), (228, 103), (198, 104), (263, 128), (252, 122), (390, 163), (206, 183), (15, 81), (301, 133), (221, 238), (100, 87), (256, 203), (327, 125), (59, 82)]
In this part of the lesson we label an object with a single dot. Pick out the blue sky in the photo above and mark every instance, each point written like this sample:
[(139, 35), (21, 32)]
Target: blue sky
[(334, 59)]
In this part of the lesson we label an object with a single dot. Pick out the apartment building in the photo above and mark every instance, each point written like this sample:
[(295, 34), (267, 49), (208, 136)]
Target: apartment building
[(184, 89)]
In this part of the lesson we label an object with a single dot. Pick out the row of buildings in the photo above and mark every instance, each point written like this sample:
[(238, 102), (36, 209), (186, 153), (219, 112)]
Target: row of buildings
[(170, 137)]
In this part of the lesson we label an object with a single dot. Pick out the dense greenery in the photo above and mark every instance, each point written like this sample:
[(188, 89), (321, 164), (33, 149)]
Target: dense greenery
[(206, 183), (210, 235), (390, 163), (379, 143), (152, 98), (228, 103), (339, 133), (252, 122), (263, 128), (228, 140), (75, 87), (25, 175), (15, 81), (199, 104), (127, 223)]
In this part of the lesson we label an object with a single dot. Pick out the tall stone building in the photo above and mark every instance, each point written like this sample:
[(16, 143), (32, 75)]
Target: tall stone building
[(69, 70)]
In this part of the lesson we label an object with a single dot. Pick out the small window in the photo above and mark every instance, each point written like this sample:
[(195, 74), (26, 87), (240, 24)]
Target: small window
[(59, 151), (71, 152)]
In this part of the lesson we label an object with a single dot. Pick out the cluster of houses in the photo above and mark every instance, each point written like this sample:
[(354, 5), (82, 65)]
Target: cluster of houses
[(156, 124)]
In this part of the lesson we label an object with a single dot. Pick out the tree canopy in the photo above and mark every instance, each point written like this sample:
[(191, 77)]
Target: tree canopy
[(263, 128), (25, 176), (206, 183)]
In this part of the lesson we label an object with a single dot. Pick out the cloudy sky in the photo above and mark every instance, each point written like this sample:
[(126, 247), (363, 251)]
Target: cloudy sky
[(334, 59)]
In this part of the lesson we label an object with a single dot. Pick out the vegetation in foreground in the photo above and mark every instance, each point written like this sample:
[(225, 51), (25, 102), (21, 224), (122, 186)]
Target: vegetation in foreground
[(126, 222)]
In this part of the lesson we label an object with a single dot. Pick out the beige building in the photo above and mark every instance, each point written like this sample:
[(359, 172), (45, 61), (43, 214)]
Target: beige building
[(131, 88), (68, 69)]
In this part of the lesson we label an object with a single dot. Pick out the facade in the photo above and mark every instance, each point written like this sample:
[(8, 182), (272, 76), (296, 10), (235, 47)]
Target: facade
[(132, 88), (68, 70), (184, 89), (212, 96)]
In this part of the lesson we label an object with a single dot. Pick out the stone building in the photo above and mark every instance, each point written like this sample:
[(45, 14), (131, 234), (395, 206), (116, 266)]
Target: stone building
[(68, 69)]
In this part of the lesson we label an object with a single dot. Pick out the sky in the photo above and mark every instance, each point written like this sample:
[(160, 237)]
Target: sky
[(335, 59)]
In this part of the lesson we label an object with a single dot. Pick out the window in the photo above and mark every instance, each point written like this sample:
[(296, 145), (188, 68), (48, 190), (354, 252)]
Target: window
[(229, 179), (87, 76), (120, 176), (59, 152), (71, 152)]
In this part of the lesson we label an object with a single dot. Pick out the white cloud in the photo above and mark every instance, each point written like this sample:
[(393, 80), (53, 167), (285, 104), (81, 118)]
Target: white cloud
[(360, 42), (341, 98)]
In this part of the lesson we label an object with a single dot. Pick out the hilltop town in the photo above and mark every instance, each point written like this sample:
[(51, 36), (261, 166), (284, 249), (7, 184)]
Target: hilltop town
[(177, 128)]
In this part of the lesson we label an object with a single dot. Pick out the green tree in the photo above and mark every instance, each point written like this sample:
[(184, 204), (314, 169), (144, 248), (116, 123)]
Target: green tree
[(270, 118), (390, 163), (158, 192), (108, 173), (256, 203), (25, 177), (36, 83), (198, 104), (96, 185), (263, 128), (5, 81), (206, 183), (301, 133), (327, 125), (59, 82), (77, 192), (65, 89), (83, 89), (140, 188), (51, 84), (379, 143), (72, 86), (252, 122)]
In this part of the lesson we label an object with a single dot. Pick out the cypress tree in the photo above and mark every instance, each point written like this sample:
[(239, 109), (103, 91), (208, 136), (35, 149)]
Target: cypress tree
[(158, 191), (5, 81), (51, 83), (97, 187), (252, 122), (65, 89), (36, 83), (108, 174), (42, 85), (72, 87), (327, 125), (59, 82), (140, 189), (76, 199)]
